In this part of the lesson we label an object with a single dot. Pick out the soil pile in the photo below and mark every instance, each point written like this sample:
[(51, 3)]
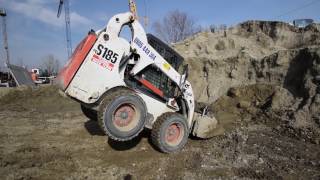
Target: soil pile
[(281, 56), (241, 57), (42, 99)]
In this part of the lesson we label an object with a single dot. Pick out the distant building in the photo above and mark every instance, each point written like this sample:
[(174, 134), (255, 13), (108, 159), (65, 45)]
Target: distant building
[(5, 79), (301, 23)]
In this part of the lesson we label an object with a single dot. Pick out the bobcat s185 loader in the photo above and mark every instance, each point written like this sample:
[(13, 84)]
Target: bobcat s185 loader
[(129, 86)]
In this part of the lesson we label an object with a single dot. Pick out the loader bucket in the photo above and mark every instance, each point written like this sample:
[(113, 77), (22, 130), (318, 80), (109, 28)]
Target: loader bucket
[(67, 73)]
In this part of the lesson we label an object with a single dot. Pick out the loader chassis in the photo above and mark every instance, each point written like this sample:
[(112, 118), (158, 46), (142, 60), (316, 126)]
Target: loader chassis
[(129, 86)]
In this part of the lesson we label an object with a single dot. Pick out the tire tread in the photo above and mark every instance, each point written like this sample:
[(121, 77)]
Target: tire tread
[(108, 98), (156, 130)]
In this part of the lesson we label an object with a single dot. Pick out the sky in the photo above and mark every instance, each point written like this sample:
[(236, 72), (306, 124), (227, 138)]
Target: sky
[(34, 31)]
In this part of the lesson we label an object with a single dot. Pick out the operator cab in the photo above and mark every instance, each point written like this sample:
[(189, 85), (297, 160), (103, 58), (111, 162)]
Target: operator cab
[(155, 76)]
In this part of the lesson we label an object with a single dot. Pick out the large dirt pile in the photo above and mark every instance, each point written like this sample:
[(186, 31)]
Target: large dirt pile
[(272, 59), (257, 38)]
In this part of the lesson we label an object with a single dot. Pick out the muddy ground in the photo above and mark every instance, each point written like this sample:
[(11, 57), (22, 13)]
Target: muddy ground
[(45, 136)]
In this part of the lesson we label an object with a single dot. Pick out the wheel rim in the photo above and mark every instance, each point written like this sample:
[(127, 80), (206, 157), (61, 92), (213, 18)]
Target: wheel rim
[(125, 117), (174, 134)]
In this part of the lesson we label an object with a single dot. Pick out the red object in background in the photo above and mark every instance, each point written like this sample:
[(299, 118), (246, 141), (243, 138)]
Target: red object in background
[(34, 76), (79, 55)]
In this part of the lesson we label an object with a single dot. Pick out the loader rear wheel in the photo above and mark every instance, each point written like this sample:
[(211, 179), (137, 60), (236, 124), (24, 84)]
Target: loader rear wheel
[(89, 113), (170, 132), (122, 115)]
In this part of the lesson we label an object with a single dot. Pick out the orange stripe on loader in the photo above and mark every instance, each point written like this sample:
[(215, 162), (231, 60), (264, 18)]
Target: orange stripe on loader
[(67, 73), (150, 86)]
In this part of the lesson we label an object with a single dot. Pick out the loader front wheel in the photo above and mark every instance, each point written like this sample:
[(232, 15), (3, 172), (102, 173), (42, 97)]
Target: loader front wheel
[(170, 132), (122, 115)]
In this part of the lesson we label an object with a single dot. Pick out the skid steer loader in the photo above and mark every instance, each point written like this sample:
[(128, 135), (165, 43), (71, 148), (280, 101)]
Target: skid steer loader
[(129, 86)]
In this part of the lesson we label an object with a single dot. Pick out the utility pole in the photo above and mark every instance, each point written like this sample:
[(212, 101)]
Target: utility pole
[(67, 21), (3, 15)]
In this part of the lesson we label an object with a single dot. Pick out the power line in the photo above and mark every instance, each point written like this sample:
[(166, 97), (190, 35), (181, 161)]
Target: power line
[(298, 8)]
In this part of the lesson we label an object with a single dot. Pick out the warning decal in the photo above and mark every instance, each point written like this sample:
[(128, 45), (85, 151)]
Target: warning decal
[(103, 63)]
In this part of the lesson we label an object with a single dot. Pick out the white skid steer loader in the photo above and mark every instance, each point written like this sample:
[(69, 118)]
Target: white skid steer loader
[(129, 86)]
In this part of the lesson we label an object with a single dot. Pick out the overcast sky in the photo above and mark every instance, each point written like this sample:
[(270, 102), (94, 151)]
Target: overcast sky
[(34, 31)]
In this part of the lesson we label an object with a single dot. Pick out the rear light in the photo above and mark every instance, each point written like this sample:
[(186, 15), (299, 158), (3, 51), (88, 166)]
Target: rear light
[(79, 55)]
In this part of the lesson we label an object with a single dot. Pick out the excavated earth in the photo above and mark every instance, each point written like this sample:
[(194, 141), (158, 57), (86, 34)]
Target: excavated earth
[(259, 79)]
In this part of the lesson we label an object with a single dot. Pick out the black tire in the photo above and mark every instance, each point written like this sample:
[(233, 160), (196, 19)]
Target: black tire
[(89, 113), (122, 114), (161, 135)]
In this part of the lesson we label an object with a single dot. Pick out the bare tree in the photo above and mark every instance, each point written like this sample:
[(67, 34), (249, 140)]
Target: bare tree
[(175, 26), (223, 27), (213, 28), (50, 64)]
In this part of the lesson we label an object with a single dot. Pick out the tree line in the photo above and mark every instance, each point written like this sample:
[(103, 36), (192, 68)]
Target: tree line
[(177, 26)]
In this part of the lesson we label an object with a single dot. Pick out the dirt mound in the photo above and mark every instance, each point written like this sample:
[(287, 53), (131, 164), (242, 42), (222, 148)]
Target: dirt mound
[(4, 91), (41, 99), (256, 38), (219, 62), (212, 77), (284, 58), (252, 52), (280, 34), (271, 105)]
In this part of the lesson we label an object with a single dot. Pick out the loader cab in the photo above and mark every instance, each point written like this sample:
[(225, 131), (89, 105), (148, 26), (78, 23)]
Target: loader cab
[(155, 76), (165, 51)]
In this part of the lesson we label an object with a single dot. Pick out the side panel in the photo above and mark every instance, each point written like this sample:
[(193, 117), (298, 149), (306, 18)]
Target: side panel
[(100, 70), (70, 69)]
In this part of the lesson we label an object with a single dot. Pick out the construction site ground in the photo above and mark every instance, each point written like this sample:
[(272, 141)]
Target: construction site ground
[(45, 136)]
